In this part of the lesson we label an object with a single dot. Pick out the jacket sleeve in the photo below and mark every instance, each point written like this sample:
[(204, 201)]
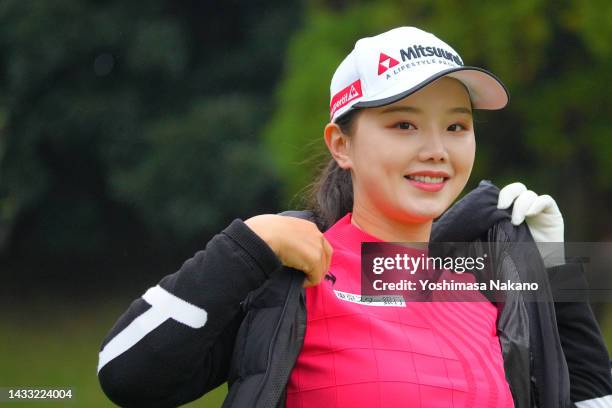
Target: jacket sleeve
[(175, 342), (581, 339)]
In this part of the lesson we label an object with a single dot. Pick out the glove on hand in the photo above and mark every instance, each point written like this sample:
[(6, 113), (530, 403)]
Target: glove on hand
[(542, 216)]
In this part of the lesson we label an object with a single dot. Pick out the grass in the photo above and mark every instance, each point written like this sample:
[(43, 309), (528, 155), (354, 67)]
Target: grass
[(51, 347)]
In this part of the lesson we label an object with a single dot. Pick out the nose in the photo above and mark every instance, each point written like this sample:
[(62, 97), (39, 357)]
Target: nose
[(433, 147)]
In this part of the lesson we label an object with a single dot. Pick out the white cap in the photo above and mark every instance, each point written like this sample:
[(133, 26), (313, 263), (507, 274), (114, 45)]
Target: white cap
[(390, 66)]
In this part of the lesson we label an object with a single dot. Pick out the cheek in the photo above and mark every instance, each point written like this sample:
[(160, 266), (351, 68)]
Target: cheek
[(463, 162), (373, 160), (375, 174), (463, 156)]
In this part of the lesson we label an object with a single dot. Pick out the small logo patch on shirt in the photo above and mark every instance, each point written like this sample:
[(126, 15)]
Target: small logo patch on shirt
[(382, 300)]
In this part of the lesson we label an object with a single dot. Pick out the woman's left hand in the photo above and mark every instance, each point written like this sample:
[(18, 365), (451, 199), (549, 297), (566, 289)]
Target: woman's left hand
[(542, 216)]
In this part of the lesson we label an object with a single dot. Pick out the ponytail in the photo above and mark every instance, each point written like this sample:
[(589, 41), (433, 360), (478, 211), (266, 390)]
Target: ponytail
[(331, 195)]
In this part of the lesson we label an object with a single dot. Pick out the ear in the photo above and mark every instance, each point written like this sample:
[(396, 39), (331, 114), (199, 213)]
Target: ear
[(338, 144)]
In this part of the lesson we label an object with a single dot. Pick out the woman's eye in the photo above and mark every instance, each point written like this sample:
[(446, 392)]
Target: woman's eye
[(405, 125), (456, 127)]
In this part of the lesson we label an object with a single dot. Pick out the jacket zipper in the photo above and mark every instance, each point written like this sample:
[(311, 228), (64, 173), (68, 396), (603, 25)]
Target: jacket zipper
[(273, 342), (533, 380)]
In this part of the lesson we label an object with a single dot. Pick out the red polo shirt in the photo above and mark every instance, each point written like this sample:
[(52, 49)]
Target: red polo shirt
[(415, 354)]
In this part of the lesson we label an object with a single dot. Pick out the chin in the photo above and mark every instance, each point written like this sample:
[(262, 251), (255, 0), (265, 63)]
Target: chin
[(415, 216), (426, 211)]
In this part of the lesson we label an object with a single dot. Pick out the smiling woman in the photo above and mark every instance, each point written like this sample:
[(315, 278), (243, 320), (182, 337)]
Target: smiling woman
[(273, 304), (400, 154)]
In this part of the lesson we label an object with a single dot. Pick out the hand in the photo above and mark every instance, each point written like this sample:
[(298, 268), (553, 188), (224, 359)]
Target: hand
[(542, 217), (298, 244)]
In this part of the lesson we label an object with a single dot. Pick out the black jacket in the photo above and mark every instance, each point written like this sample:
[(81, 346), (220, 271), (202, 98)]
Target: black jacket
[(234, 313)]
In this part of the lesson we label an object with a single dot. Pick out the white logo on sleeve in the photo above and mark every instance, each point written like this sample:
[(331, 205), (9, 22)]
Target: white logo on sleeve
[(164, 306)]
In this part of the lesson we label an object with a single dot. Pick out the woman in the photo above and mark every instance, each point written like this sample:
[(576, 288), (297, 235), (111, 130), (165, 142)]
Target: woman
[(402, 144)]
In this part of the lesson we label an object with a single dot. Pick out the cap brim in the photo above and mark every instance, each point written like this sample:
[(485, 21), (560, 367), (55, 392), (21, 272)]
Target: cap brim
[(486, 90)]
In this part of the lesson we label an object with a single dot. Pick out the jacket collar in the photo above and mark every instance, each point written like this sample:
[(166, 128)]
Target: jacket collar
[(470, 217)]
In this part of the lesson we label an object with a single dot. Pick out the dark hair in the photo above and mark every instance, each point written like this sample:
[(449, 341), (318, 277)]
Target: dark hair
[(330, 197)]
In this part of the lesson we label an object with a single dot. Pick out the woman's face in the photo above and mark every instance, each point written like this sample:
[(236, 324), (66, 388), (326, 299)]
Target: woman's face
[(411, 159)]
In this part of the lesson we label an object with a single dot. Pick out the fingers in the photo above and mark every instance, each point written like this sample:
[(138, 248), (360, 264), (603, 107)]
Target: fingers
[(313, 267), (508, 194), (328, 253), (543, 204), (319, 264), (521, 205), (526, 202), (323, 268)]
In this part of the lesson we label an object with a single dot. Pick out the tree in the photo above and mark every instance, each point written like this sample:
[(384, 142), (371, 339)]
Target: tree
[(121, 122), (556, 61)]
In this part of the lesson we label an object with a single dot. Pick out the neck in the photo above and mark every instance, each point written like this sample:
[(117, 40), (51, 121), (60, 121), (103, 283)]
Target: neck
[(388, 229)]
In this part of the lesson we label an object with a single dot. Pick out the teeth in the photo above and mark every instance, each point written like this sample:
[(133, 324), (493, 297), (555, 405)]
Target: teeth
[(427, 179)]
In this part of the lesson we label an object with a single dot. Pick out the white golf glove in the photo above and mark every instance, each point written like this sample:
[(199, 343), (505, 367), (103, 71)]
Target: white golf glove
[(542, 217)]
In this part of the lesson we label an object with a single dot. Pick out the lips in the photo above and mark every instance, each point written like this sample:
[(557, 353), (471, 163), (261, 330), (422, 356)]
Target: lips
[(426, 179), (430, 181), (429, 173)]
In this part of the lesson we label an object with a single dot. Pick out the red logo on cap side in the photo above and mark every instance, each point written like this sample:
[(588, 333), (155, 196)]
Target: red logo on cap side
[(385, 62), (342, 98)]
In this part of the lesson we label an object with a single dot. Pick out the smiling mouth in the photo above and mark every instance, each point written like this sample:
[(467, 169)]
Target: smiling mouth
[(427, 179)]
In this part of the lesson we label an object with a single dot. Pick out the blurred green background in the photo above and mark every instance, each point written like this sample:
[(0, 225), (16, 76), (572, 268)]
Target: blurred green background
[(131, 132)]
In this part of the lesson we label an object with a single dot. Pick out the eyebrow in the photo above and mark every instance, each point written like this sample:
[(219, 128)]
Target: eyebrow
[(412, 109)]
